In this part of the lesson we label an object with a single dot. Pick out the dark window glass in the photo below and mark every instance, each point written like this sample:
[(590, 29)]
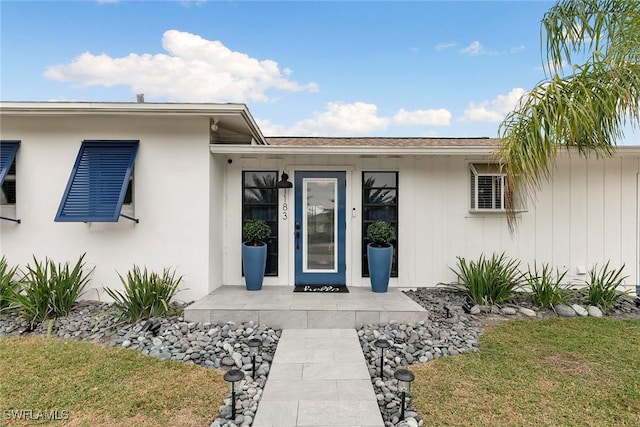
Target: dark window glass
[(260, 201), (128, 196), (379, 203), (9, 186)]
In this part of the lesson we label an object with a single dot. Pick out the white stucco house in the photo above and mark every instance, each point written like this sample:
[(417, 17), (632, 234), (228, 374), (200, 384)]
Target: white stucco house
[(169, 185)]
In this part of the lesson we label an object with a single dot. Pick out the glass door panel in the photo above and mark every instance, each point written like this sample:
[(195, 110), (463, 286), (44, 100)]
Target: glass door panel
[(319, 224)]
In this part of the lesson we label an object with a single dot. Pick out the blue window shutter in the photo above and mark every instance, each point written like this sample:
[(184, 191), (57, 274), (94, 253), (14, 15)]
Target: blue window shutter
[(98, 182), (8, 150)]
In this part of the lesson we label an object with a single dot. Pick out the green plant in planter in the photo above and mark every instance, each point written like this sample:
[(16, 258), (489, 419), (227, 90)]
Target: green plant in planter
[(256, 231), (380, 234)]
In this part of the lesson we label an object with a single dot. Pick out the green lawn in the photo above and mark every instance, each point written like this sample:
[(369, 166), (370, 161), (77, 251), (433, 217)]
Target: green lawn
[(103, 386), (553, 372), (557, 372)]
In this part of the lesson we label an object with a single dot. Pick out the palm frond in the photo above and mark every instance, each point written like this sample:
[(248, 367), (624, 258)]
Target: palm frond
[(586, 110)]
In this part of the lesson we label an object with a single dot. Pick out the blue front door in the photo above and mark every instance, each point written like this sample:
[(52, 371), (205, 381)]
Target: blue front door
[(320, 228)]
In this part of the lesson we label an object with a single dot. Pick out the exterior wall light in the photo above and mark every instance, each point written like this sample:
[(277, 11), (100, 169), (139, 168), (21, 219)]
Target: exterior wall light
[(233, 376), (254, 348), (382, 344), (284, 182), (404, 377)]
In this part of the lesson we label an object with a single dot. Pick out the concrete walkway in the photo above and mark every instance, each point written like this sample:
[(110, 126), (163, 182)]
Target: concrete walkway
[(318, 377)]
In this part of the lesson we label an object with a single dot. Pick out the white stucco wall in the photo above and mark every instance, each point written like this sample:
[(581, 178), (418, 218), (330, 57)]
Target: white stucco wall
[(586, 215), (171, 199)]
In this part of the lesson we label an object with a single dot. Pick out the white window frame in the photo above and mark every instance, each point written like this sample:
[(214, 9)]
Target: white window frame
[(492, 170)]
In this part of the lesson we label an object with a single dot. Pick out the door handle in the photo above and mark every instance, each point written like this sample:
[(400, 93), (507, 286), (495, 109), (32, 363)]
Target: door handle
[(297, 234)]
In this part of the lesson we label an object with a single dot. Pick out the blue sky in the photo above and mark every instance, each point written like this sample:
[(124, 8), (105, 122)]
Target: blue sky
[(425, 68)]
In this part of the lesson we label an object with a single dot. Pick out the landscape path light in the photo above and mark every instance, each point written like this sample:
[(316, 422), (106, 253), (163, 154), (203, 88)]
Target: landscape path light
[(233, 376), (254, 348), (404, 377), (381, 344)]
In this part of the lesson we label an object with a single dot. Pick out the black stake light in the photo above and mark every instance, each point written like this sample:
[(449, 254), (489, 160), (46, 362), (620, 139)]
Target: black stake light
[(404, 377), (233, 376), (254, 348), (381, 344)]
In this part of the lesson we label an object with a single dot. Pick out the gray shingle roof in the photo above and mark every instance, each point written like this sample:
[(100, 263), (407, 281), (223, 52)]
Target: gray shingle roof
[(383, 142)]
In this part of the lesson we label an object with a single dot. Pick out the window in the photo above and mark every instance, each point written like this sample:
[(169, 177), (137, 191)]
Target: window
[(99, 182), (8, 150), (489, 190), (260, 201), (379, 203)]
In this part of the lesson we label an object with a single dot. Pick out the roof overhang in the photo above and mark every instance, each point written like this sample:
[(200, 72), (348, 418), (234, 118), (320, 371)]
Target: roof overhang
[(233, 117)]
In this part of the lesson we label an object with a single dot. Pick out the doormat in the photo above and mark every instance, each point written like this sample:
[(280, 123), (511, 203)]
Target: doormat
[(321, 288)]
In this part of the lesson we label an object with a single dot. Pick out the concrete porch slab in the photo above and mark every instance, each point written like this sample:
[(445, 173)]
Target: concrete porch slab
[(280, 307)]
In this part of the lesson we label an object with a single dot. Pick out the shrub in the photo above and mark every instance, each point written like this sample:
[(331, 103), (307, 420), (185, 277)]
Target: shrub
[(545, 287), (146, 294), (602, 286), (8, 284), (256, 231), (49, 290), (380, 233), (487, 281)]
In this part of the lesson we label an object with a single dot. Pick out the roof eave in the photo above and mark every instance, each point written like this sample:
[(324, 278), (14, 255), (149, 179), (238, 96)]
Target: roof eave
[(53, 109)]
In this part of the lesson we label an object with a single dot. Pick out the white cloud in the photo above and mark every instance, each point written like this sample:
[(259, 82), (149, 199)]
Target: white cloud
[(445, 45), (342, 119), (269, 128), (517, 49), (494, 110), (194, 70), (440, 117), (474, 49), (357, 118)]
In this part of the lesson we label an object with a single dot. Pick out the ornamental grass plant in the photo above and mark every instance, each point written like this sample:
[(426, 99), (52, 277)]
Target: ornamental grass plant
[(8, 284), (603, 286), (545, 287), (49, 290), (146, 294), (487, 281)]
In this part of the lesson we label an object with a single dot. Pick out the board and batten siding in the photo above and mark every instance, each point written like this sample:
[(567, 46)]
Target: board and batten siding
[(586, 215)]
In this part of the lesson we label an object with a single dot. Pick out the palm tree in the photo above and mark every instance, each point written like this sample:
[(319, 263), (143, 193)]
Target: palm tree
[(585, 109)]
